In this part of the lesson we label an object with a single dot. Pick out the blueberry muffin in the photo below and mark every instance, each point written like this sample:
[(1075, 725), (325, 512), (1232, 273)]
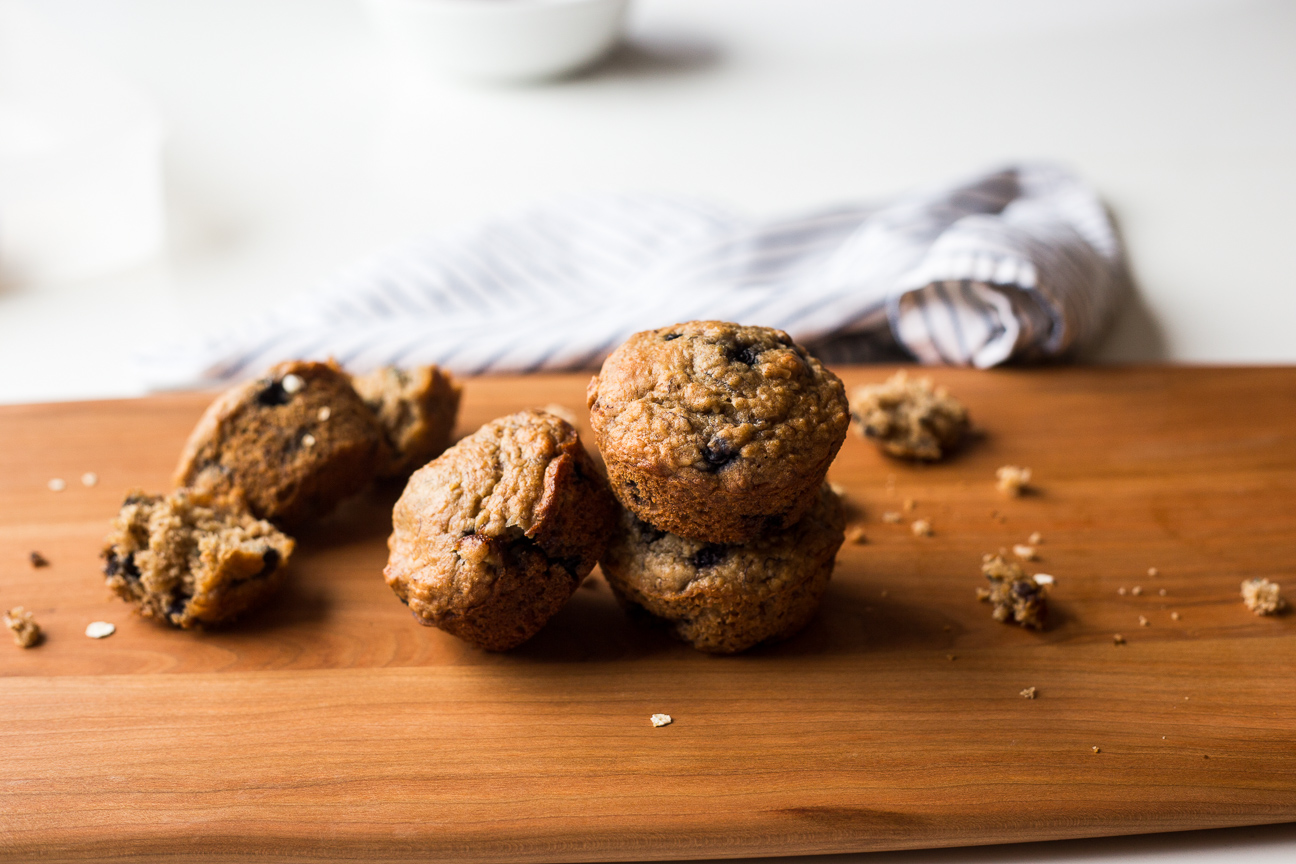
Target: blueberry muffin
[(288, 446), (185, 561), (416, 409), (723, 599), (909, 418), (715, 431), (492, 537)]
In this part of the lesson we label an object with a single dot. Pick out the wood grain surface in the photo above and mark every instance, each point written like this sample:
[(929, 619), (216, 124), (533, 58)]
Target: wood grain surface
[(329, 725)]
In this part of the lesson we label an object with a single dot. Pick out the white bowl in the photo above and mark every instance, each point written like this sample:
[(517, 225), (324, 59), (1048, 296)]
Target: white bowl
[(497, 40)]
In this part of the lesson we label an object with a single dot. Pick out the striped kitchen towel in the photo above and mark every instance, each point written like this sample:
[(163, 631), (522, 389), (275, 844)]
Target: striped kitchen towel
[(1018, 264)]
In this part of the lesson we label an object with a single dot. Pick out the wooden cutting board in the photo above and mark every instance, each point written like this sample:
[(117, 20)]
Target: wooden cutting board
[(331, 726)]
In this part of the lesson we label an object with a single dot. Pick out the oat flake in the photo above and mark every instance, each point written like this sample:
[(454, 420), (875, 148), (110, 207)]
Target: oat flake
[(100, 629)]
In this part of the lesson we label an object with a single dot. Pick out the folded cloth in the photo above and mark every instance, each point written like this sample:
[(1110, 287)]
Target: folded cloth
[(1021, 263)]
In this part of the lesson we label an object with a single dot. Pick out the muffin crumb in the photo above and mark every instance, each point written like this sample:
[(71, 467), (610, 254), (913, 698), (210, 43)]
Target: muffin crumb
[(1028, 693), (1263, 597), (1174, 616), (1035, 539), (892, 517), (921, 528), (1118, 639), (56, 484), (89, 479), (1137, 590), (1153, 572), (1013, 480), (855, 535), (909, 418), (1144, 622), (659, 720), (26, 632), (1016, 597)]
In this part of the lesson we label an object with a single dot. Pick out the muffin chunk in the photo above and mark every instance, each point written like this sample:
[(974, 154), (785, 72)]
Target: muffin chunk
[(1015, 598), (724, 599), (184, 560), (715, 431), (491, 538), (416, 409), (288, 446), (909, 418)]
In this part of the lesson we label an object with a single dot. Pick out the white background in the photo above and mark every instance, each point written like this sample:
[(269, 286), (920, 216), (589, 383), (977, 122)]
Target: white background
[(292, 151)]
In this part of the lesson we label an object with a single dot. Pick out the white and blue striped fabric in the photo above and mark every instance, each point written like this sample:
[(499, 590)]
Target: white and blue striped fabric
[(1014, 265)]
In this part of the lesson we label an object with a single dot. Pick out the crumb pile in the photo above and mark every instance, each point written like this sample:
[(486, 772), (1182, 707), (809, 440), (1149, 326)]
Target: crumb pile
[(1015, 597), (909, 418)]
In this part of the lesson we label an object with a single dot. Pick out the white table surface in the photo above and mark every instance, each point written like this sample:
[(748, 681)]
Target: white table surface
[(292, 152)]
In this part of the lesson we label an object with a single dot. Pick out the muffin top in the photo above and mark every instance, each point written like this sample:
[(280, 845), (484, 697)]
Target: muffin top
[(707, 395), (520, 484)]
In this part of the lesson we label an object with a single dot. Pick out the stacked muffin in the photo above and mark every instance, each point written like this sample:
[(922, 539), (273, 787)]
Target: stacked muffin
[(717, 438)]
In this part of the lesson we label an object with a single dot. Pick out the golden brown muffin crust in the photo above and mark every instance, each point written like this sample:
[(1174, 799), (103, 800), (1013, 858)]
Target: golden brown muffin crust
[(716, 431), (724, 599), (492, 537)]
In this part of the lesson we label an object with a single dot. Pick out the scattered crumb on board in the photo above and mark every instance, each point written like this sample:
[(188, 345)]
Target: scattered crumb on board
[(1028, 693), (89, 478), (1097, 749), (1013, 479), (921, 528), (1144, 622), (1263, 597), (37, 559), (1153, 572), (1035, 539), (892, 517), (1174, 616), (1118, 639), (99, 629), (855, 535), (56, 484), (26, 632), (1024, 552), (660, 719)]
